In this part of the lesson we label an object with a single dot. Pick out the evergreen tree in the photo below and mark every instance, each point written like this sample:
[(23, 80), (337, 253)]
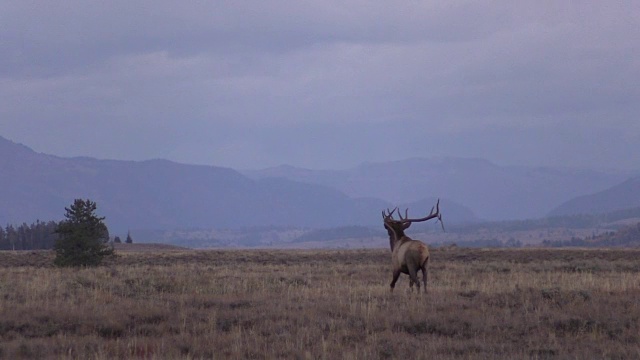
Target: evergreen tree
[(11, 237), (39, 235), (129, 239), (82, 238), (117, 240), (4, 243)]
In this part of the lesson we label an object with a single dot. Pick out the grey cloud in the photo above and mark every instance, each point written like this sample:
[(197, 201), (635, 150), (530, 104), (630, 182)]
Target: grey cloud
[(52, 36), (270, 82)]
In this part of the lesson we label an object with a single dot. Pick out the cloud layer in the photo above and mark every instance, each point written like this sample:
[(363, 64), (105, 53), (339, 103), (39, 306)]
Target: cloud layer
[(324, 84)]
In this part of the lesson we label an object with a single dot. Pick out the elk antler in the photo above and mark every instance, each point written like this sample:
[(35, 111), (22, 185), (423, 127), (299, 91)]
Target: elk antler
[(431, 215), (389, 215)]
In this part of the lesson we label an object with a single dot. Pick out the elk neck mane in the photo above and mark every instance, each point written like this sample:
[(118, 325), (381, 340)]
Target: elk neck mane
[(395, 236)]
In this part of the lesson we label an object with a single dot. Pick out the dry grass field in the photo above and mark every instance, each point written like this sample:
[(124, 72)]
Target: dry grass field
[(322, 304)]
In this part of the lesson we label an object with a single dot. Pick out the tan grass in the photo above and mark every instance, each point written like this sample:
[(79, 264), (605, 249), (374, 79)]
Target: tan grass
[(322, 304)]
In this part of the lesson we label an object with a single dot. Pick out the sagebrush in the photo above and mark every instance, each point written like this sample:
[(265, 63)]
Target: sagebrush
[(524, 303)]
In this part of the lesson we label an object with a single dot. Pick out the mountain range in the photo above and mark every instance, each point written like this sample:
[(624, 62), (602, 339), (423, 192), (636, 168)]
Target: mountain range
[(491, 191), (621, 196), (160, 194)]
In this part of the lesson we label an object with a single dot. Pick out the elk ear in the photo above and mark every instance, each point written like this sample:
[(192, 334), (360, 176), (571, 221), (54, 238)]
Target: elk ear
[(406, 226)]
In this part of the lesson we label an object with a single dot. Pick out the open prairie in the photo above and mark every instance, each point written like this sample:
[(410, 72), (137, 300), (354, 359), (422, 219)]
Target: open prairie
[(329, 304)]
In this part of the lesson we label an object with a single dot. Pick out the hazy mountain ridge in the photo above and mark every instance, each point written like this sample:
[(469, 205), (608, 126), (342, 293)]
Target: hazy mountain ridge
[(620, 196), (492, 192), (160, 194)]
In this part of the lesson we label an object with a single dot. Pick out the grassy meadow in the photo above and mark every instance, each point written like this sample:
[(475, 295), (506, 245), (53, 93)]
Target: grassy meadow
[(322, 304)]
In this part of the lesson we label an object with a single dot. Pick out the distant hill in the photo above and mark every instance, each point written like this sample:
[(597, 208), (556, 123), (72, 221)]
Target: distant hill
[(491, 191), (622, 196), (160, 194), (627, 236), (164, 195)]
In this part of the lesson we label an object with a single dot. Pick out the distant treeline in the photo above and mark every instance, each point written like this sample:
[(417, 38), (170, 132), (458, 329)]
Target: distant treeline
[(628, 236), (39, 235), (482, 243), (344, 232)]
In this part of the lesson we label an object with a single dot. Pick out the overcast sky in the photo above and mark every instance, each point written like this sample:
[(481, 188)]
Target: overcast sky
[(324, 84)]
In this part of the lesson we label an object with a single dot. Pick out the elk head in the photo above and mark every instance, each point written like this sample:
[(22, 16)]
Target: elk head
[(395, 228)]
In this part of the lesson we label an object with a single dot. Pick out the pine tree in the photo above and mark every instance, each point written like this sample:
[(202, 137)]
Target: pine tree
[(12, 237), (129, 239), (83, 237), (4, 242)]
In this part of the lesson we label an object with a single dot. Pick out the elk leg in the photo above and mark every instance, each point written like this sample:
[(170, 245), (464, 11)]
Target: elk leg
[(413, 275), (424, 273), (396, 275), (424, 277)]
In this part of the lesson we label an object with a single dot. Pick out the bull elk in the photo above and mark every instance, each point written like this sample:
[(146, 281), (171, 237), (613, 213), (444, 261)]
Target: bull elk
[(408, 255)]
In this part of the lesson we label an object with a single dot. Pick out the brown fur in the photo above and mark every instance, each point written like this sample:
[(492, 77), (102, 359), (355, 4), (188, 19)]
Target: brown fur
[(408, 256)]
